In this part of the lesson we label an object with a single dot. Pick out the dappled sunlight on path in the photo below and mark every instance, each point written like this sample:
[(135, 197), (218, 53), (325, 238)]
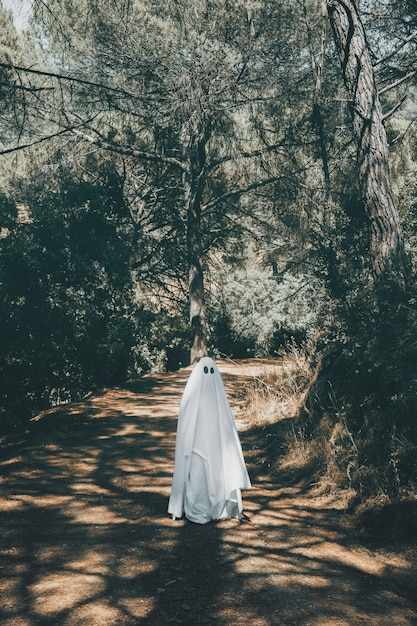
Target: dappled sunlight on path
[(86, 539)]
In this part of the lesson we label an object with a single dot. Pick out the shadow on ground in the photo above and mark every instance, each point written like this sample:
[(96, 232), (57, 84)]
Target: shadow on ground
[(85, 538)]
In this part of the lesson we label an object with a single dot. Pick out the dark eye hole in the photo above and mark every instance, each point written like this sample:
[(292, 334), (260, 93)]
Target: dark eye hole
[(211, 370), (205, 369)]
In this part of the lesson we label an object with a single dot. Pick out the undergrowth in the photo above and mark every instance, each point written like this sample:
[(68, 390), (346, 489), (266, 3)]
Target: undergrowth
[(352, 401), (278, 394)]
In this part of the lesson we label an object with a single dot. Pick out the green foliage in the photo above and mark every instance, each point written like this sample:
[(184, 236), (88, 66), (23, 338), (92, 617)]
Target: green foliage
[(162, 338), (364, 397), (73, 316), (259, 312), (67, 294)]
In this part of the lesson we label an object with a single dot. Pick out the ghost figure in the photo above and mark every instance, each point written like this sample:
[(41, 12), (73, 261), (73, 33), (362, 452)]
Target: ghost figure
[(209, 469)]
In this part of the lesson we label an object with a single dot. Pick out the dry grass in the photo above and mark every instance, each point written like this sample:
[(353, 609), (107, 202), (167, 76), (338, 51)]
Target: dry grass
[(278, 394)]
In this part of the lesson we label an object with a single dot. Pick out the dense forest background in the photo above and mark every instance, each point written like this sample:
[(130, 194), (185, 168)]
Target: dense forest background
[(200, 176)]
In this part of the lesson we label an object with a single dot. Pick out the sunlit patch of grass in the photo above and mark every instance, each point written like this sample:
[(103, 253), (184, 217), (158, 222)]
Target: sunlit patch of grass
[(278, 394)]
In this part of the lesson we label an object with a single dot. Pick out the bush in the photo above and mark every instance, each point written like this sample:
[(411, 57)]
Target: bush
[(255, 314), (363, 400), (67, 296)]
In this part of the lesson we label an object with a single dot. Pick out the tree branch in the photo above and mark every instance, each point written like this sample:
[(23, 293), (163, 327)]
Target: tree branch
[(245, 155), (139, 154), (241, 191), (395, 108), (398, 82), (397, 49), (34, 143), (24, 88), (73, 79)]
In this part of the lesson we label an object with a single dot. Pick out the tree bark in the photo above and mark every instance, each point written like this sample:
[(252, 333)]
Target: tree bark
[(193, 180), (195, 276), (386, 241)]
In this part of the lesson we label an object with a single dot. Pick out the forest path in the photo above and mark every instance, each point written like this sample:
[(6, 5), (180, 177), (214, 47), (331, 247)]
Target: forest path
[(86, 539)]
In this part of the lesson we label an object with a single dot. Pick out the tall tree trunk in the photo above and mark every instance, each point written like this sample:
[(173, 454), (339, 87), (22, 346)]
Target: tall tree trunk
[(328, 242), (386, 245), (193, 180), (195, 275)]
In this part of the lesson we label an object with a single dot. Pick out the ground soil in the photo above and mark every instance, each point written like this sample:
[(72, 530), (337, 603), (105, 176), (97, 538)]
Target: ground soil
[(86, 539)]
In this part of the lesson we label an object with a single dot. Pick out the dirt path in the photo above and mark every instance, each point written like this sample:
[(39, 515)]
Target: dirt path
[(85, 538)]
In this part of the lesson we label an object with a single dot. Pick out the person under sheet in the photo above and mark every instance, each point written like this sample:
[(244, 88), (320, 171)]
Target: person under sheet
[(209, 469)]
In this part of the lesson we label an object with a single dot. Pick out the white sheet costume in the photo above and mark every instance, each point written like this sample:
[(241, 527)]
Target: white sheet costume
[(209, 467)]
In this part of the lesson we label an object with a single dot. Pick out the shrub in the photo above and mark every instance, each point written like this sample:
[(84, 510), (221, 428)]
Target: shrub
[(255, 314)]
